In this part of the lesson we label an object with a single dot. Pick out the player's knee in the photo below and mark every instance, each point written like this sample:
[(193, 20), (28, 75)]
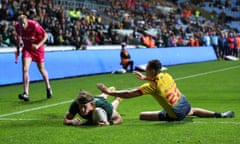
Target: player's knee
[(142, 116)]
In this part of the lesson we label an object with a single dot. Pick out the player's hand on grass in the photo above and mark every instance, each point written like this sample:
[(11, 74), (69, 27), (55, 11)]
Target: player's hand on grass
[(76, 122), (103, 123)]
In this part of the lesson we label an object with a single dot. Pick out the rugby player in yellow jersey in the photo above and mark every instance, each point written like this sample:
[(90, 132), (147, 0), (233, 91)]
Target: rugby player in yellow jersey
[(163, 88)]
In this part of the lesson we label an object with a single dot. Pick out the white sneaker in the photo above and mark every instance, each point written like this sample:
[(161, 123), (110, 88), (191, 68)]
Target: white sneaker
[(23, 96), (228, 114)]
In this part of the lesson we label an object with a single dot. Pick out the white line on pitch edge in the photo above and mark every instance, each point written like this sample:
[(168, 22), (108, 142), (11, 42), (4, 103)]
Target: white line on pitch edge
[(33, 109), (205, 73), (27, 119), (56, 104)]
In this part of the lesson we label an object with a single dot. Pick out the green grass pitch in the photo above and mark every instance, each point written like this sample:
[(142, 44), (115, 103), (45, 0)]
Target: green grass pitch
[(212, 85)]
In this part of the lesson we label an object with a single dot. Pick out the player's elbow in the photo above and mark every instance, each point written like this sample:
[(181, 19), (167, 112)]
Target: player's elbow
[(66, 121)]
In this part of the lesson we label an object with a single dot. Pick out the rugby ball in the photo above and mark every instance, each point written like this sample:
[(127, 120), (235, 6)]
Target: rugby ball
[(99, 114)]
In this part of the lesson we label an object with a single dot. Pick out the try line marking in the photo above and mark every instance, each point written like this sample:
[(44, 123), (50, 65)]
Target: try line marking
[(64, 102), (206, 73), (37, 108)]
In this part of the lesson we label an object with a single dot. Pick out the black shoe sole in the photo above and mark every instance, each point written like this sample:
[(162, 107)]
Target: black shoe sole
[(48, 97), (49, 94), (23, 98)]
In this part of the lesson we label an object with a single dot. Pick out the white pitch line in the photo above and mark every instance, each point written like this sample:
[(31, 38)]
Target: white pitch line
[(205, 73), (33, 109), (56, 104), (214, 122), (18, 119), (27, 119)]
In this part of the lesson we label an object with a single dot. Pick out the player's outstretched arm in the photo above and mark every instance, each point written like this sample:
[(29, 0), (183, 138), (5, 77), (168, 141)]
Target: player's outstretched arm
[(139, 75), (120, 93), (70, 120)]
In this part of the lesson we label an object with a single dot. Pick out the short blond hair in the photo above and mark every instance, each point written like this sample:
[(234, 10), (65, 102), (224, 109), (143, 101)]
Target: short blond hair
[(22, 17), (84, 97)]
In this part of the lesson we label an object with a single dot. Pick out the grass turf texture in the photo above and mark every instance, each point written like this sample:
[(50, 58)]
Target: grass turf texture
[(211, 85)]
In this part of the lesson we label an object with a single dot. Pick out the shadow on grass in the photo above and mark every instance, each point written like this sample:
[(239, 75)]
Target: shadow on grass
[(55, 121), (32, 101), (24, 123), (137, 122)]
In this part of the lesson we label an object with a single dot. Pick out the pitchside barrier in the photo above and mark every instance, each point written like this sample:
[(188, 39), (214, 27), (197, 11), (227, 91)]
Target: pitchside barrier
[(71, 63)]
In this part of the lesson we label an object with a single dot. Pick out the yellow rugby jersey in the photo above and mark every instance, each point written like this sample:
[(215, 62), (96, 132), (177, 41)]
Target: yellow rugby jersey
[(164, 89)]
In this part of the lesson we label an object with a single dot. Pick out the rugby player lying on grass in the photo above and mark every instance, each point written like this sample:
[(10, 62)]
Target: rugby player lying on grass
[(96, 110), (163, 88)]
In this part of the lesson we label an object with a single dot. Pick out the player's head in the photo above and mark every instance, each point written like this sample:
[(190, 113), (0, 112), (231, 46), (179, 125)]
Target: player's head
[(85, 102), (153, 68), (22, 19), (84, 97)]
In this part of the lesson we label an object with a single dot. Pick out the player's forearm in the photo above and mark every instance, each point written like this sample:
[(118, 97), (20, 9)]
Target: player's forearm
[(125, 93), (121, 94), (67, 121), (74, 122), (18, 43), (43, 40)]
